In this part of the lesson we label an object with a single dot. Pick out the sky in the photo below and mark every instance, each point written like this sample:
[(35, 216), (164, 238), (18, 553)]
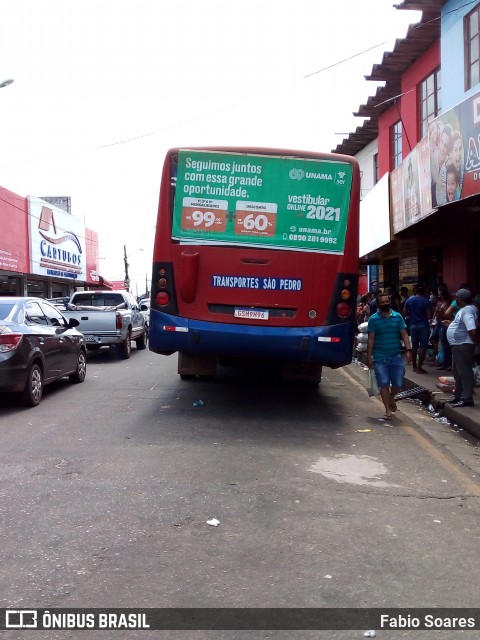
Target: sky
[(103, 88)]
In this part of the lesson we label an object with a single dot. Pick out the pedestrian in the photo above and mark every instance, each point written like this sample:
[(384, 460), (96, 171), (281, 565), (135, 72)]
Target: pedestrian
[(395, 299), (444, 358), (373, 302), (385, 328), (404, 295), (463, 336), (363, 309), (418, 311)]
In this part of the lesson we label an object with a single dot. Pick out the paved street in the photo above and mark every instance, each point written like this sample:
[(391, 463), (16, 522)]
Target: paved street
[(107, 487)]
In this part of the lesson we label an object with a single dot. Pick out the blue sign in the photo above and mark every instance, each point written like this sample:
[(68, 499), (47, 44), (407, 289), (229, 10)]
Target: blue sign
[(249, 282)]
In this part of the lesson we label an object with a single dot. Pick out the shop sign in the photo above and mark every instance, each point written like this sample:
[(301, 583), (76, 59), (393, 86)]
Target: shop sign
[(57, 242)]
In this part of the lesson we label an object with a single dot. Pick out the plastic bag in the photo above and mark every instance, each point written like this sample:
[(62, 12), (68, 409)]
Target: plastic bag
[(372, 386), (476, 375), (440, 359)]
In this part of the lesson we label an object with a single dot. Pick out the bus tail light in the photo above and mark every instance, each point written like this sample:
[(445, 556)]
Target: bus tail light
[(163, 288), (9, 341), (344, 295), (162, 298), (343, 310)]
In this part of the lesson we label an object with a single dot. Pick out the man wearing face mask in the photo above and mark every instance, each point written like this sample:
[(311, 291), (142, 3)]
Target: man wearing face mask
[(385, 328)]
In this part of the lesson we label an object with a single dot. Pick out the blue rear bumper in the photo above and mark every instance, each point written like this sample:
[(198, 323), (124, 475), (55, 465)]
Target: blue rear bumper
[(332, 345)]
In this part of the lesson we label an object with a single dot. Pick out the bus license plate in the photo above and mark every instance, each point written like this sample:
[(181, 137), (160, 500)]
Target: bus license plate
[(251, 314)]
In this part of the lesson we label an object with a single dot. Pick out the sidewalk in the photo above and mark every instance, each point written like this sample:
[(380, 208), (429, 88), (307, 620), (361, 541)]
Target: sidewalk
[(467, 418)]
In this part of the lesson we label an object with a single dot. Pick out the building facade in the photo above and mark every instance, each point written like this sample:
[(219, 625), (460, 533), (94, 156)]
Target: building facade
[(44, 250), (420, 220)]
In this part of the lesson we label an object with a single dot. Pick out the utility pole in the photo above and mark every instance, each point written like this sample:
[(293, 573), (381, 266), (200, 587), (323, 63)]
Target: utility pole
[(127, 279), (147, 292)]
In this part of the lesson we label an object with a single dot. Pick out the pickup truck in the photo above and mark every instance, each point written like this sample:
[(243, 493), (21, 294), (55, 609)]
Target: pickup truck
[(108, 319)]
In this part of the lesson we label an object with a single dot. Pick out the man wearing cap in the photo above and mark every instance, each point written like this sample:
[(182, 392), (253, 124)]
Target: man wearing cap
[(462, 336)]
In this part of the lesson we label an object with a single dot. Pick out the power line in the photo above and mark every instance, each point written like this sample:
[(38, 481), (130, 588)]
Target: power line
[(412, 28), (336, 64)]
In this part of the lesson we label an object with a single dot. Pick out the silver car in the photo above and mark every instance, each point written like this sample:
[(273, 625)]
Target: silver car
[(145, 309)]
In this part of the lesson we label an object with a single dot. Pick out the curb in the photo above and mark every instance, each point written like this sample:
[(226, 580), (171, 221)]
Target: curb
[(467, 419)]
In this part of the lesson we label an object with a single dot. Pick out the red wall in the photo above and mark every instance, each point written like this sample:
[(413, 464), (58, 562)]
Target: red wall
[(14, 248), (406, 107)]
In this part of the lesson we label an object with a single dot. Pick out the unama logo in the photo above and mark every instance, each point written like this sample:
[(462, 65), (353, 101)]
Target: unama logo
[(297, 174), (60, 249)]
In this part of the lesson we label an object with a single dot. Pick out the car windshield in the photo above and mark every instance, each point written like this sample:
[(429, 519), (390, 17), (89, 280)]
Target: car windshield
[(6, 310)]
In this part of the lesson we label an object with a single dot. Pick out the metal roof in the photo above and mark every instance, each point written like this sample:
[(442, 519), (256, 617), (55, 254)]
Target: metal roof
[(419, 38)]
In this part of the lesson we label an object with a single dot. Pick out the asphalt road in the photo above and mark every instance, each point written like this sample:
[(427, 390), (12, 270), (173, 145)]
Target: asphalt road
[(107, 486)]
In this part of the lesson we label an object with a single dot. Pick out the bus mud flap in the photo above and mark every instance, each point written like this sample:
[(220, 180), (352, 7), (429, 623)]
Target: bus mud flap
[(196, 364)]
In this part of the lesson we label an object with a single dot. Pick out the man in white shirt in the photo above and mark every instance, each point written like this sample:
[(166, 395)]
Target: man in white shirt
[(463, 336)]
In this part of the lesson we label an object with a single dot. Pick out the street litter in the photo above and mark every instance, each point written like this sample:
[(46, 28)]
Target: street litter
[(363, 430), (431, 408), (327, 576), (213, 522), (442, 420), (199, 403), (370, 634)]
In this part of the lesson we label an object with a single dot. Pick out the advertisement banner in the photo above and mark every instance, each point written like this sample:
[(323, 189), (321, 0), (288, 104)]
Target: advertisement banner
[(14, 232), (57, 242), (91, 256), (444, 167), (398, 207), (263, 201)]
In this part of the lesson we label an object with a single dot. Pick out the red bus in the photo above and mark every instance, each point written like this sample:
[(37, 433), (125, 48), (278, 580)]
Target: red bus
[(256, 257)]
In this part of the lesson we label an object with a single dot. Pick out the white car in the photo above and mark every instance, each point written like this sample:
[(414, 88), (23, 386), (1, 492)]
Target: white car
[(145, 309)]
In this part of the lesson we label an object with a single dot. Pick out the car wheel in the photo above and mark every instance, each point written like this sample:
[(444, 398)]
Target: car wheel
[(142, 341), (125, 347), (81, 372), (32, 394)]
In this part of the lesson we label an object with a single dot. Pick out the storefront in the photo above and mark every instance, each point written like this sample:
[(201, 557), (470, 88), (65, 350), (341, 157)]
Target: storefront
[(10, 285), (44, 251)]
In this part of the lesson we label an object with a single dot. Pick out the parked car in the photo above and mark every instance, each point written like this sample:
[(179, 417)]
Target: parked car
[(145, 309), (37, 346), (108, 319), (61, 303)]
